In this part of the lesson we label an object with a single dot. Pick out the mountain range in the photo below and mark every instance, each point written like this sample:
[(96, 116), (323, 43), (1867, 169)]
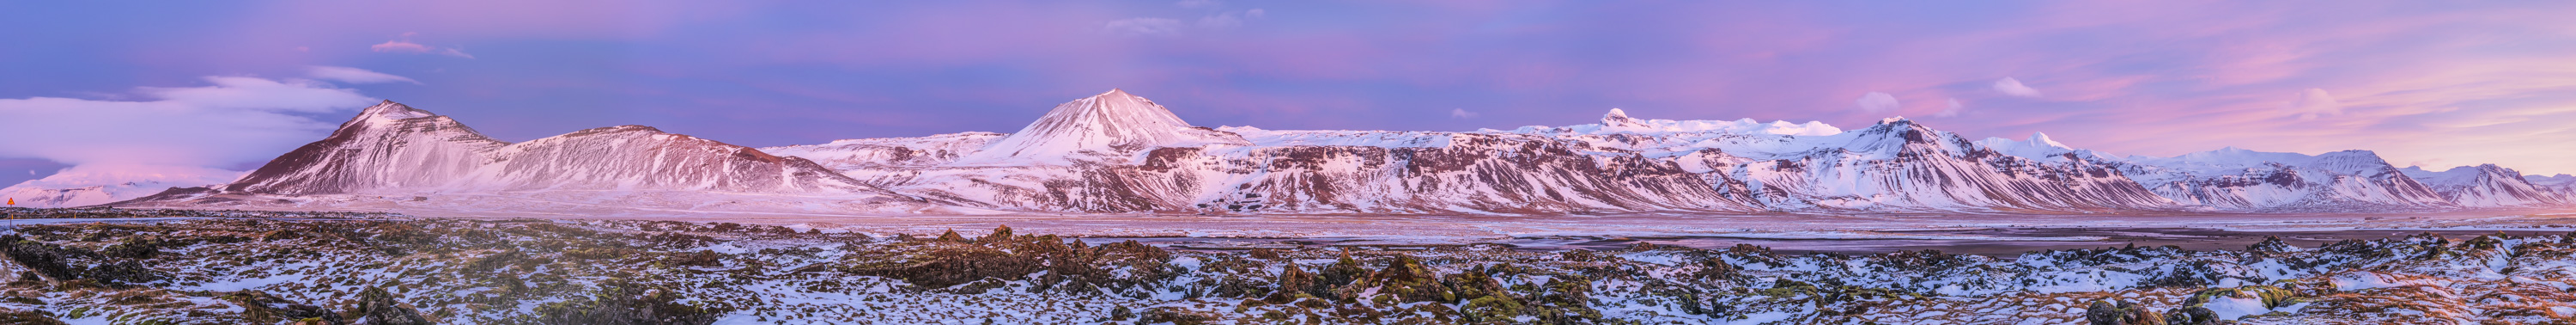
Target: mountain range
[(1120, 153)]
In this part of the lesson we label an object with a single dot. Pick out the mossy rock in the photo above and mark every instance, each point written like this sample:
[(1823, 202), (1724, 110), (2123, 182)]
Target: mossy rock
[(2121, 312), (28, 317), (1175, 316)]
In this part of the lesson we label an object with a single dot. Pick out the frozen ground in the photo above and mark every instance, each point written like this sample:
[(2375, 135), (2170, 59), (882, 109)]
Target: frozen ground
[(1987, 234), (1983, 234), (529, 271)]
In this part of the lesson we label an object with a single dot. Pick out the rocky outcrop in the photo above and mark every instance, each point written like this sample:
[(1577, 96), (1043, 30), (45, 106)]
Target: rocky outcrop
[(376, 307)]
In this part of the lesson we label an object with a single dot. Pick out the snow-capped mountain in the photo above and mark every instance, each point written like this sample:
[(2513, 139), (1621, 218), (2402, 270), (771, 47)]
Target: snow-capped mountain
[(891, 152), (1247, 169), (395, 151), (1623, 164), (1895, 165), (2486, 186), (2562, 185), (387, 147), (87, 185), (1105, 127), (2243, 180), (1119, 153), (2038, 146)]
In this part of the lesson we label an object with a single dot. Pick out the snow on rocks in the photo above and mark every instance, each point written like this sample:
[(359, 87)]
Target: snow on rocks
[(516, 271)]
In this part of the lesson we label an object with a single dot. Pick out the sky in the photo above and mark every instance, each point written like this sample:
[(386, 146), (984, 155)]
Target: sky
[(231, 84)]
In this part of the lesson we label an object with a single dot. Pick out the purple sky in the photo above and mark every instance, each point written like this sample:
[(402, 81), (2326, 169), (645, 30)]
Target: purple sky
[(231, 84)]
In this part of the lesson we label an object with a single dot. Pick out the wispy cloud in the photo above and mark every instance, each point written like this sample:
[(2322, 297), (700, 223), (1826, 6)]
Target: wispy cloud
[(1144, 26), (1227, 20), (405, 45), (400, 47), (1952, 110), (1461, 113), (2008, 86), (1230, 19), (2313, 103), (353, 75), (1876, 102), (1155, 26), (231, 120)]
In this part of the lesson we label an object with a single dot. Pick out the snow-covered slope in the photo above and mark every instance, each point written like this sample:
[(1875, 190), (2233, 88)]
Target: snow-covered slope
[(1244, 169), (2244, 180), (1896, 165), (392, 150), (87, 185), (890, 152), (2485, 186), (390, 146), (2038, 146), (1107, 127), (1473, 173), (1617, 121), (1119, 153), (625, 158), (1623, 164), (1465, 172), (2561, 185)]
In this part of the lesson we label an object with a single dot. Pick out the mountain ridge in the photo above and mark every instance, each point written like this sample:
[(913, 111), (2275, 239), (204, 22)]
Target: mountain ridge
[(395, 156), (1115, 152)]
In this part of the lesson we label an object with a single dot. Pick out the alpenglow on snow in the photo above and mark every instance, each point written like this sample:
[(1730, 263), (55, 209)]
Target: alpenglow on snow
[(1116, 152)]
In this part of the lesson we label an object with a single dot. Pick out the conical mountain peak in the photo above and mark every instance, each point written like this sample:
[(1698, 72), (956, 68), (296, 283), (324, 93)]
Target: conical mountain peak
[(389, 117), (1114, 92), (1108, 122), (1115, 112), (392, 110)]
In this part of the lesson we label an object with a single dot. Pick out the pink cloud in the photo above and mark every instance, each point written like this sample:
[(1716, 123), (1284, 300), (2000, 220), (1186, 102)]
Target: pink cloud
[(1461, 113), (234, 119), (1951, 110), (2313, 103), (1876, 102), (354, 75), (475, 19), (2009, 86), (1146, 26), (2133, 77), (400, 47), (406, 46)]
